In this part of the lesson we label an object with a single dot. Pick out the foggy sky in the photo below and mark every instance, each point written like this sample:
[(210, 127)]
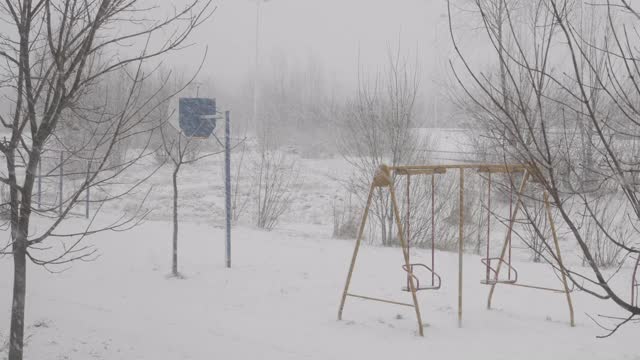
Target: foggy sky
[(332, 32)]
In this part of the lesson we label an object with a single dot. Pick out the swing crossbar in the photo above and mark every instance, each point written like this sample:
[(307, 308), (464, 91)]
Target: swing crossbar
[(379, 300), (558, 291), (514, 281), (509, 168), (500, 169), (411, 171)]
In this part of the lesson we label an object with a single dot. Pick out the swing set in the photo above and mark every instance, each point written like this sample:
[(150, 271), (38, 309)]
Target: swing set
[(383, 178)]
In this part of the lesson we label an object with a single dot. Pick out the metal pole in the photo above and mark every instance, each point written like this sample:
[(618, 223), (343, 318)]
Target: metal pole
[(510, 211), (512, 221), (433, 229), (227, 183), (60, 181), (559, 258), (634, 284), (88, 196), (460, 245), (408, 222), (408, 191), (488, 266), (352, 265), (40, 184), (257, 66), (403, 244)]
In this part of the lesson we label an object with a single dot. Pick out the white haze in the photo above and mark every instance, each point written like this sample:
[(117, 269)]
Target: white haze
[(331, 33)]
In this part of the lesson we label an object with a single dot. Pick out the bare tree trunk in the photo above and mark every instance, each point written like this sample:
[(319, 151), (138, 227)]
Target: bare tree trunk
[(21, 204), (19, 248), (51, 65), (19, 294), (174, 262), (542, 98)]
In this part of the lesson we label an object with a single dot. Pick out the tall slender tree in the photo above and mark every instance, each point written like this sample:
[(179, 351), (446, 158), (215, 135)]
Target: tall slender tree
[(565, 83), (54, 53)]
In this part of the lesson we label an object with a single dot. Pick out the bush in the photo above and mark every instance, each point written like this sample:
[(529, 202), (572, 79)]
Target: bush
[(346, 218), (275, 175), (603, 222)]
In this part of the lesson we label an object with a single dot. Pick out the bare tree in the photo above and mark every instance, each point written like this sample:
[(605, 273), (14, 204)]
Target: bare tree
[(276, 175), (241, 192), (376, 127), (180, 150), (536, 240), (55, 53), (586, 82), (602, 218), (346, 217)]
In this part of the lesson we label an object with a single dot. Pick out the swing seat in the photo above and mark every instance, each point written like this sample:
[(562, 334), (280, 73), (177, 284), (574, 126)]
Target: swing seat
[(493, 281), (435, 285)]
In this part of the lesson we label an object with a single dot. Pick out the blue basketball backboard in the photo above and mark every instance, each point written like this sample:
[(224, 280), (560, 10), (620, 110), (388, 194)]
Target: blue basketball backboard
[(197, 116)]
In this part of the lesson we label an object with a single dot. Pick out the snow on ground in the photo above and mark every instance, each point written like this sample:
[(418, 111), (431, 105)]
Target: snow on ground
[(280, 299)]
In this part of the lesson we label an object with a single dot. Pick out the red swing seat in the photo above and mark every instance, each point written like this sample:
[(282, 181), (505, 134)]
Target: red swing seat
[(492, 281), (491, 277), (436, 281), (435, 278)]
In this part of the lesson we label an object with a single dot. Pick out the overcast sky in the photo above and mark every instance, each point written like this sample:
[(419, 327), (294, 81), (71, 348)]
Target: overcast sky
[(330, 31)]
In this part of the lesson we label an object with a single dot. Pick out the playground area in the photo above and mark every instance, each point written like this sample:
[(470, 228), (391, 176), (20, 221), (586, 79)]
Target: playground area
[(387, 178), (281, 298), (207, 179), (282, 305)]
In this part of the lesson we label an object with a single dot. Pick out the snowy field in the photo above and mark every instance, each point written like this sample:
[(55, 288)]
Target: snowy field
[(280, 299), (279, 302)]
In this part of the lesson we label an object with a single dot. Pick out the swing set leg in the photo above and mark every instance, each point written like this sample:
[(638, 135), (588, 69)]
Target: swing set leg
[(405, 252), (355, 251), (507, 239), (384, 182), (559, 259), (555, 240)]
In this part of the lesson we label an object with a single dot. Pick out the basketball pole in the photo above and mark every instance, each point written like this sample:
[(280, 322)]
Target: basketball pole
[(227, 184)]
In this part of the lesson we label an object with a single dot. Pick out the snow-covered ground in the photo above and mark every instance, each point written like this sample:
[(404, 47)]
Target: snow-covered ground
[(280, 299)]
